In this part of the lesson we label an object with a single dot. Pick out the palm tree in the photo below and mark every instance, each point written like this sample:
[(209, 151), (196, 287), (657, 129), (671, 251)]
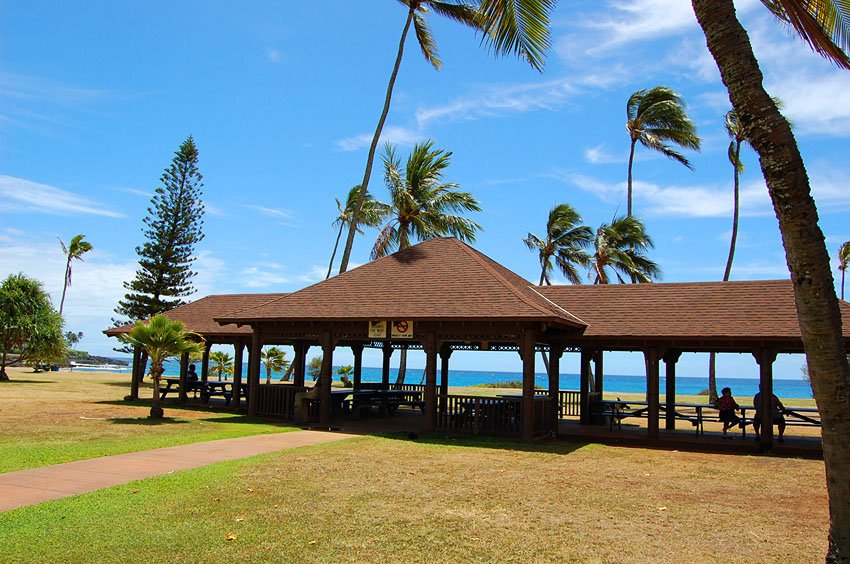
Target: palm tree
[(518, 27), (75, 250), (565, 240), (421, 206), (370, 215), (222, 364), (275, 361), (620, 246), (345, 373), (655, 118), (825, 26), (162, 338), (843, 261)]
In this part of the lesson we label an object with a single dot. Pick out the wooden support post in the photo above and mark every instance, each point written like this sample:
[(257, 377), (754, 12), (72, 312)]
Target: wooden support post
[(136, 375), (254, 372), (445, 355), (300, 369), (584, 386), (765, 358), (652, 356), (555, 353), (385, 369), (326, 378), (670, 360), (526, 351), (184, 378), (599, 375), (430, 346), (236, 389), (205, 362), (358, 364)]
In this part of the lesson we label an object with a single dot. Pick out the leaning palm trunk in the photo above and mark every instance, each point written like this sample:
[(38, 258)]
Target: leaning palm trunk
[(364, 186), (402, 366), (712, 375), (817, 306), (336, 246), (629, 180)]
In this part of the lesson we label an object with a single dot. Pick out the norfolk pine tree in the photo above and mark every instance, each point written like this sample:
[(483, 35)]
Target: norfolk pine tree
[(173, 227)]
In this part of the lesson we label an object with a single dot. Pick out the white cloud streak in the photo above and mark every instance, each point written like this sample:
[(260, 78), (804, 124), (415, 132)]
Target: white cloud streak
[(20, 195)]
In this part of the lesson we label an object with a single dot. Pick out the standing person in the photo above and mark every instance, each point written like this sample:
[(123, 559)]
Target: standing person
[(727, 406), (776, 409)]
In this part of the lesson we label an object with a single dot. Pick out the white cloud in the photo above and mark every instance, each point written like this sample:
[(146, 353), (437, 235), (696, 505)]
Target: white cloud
[(270, 212), (598, 155), (274, 55), (391, 134), (678, 201), (18, 194)]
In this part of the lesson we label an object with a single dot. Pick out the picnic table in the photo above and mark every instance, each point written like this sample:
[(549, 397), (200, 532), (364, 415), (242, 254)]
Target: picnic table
[(222, 388), (387, 401), (698, 413)]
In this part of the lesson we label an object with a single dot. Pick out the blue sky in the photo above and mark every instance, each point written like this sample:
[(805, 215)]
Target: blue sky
[(282, 97)]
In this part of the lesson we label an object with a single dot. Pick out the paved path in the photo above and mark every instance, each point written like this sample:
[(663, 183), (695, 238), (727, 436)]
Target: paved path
[(27, 487)]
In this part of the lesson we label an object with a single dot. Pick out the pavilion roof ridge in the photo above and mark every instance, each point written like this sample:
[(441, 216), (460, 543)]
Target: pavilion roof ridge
[(478, 256), (577, 318)]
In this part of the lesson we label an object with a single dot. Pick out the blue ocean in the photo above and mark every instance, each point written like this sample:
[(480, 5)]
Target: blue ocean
[(741, 387)]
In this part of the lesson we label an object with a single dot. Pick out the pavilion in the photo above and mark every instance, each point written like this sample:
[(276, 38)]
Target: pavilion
[(442, 295)]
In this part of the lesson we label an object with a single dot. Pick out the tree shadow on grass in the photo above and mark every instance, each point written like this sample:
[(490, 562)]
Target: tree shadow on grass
[(146, 421), (547, 447), (30, 382), (244, 419)]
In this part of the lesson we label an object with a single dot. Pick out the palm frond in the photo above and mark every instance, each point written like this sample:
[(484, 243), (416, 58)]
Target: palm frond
[(823, 24), (426, 41), (520, 27)]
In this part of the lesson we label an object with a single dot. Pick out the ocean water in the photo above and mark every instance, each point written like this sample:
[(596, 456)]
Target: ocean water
[(742, 388)]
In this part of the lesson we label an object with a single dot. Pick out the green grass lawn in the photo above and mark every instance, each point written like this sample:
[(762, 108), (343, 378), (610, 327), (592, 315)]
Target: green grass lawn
[(57, 417), (437, 499)]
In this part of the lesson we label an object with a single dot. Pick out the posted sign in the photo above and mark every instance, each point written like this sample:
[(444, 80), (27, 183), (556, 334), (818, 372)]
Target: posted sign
[(402, 329), (377, 329)]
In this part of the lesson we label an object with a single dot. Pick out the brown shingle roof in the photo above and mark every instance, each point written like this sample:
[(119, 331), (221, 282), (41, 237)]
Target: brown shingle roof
[(439, 279), (697, 310), (198, 316)]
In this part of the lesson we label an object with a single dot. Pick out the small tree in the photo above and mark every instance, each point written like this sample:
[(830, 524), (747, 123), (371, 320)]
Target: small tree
[(314, 367), (162, 339), (222, 364), (75, 250), (173, 227), (345, 373), (275, 361), (28, 323)]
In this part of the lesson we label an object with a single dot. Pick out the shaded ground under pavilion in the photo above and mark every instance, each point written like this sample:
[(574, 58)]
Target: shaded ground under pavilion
[(442, 296)]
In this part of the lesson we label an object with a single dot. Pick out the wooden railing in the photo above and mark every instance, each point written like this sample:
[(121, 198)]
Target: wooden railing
[(479, 415), (392, 386), (278, 400), (569, 403)]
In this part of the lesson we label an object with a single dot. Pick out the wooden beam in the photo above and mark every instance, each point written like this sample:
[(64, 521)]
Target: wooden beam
[(599, 375), (430, 346), (584, 386), (357, 349), (300, 369), (385, 369), (445, 355), (652, 356), (765, 358), (325, 378), (671, 357), (236, 389), (527, 353), (205, 362), (254, 372), (555, 353)]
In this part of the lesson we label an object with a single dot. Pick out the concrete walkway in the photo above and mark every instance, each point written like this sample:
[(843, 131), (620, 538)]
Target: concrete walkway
[(27, 487)]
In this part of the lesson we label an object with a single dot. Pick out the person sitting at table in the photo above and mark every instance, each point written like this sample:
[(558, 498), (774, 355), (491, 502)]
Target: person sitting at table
[(727, 406), (192, 376), (776, 409), (302, 406)]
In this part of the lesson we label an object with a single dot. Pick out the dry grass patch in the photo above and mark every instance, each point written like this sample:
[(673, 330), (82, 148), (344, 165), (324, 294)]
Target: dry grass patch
[(54, 417)]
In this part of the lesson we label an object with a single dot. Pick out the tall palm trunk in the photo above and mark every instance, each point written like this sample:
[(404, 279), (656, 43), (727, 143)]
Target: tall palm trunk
[(402, 366), (336, 245), (712, 373), (843, 271), (364, 186), (814, 291), (629, 180), (67, 280)]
